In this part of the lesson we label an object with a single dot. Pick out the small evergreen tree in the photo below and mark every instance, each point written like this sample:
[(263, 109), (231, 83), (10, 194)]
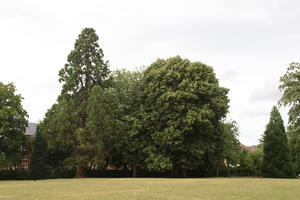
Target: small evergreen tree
[(38, 162), (277, 158)]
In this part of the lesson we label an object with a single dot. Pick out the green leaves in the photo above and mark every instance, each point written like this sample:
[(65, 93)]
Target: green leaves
[(277, 158), (232, 150), (99, 124), (85, 66), (38, 166), (13, 121), (167, 116), (290, 86), (80, 121), (124, 97), (183, 107)]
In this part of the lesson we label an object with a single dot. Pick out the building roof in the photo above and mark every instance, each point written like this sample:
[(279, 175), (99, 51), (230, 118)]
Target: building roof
[(31, 129), (249, 148)]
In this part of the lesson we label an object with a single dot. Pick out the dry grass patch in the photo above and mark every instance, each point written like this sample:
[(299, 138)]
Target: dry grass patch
[(154, 189)]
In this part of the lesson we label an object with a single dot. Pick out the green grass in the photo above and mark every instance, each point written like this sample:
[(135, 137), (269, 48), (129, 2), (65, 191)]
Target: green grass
[(150, 188)]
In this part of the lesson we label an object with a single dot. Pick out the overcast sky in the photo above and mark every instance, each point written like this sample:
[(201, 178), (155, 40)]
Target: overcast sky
[(249, 43)]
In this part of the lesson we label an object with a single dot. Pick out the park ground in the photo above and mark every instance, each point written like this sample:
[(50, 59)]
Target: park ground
[(151, 188)]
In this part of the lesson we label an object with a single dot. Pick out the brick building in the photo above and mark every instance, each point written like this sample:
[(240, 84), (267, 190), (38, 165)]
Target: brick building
[(30, 132)]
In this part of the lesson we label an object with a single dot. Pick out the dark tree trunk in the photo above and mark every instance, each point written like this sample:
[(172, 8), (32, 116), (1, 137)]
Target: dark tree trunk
[(134, 175), (184, 172), (80, 171), (228, 170), (175, 171), (217, 171)]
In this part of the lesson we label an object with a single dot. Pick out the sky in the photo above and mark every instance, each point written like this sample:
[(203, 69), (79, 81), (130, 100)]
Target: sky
[(249, 44)]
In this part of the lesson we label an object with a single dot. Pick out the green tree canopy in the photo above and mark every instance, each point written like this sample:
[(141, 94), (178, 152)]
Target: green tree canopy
[(257, 158), (276, 159), (85, 67), (232, 149), (38, 167), (290, 84), (184, 105), (124, 96), (79, 121), (13, 122)]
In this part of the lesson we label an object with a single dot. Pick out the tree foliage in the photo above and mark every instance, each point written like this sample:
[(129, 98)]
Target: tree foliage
[(294, 140), (257, 158), (38, 166), (124, 96), (98, 128), (290, 84), (276, 159), (250, 163), (166, 117), (13, 122), (183, 107), (85, 67), (79, 122), (232, 149), (246, 165)]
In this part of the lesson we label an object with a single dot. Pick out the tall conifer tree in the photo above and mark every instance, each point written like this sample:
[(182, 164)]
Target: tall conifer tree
[(277, 158), (78, 122), (84, 70), (38, 167)]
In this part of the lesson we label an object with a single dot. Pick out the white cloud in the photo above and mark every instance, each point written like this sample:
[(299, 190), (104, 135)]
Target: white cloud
[(247, 43), (268, 92)]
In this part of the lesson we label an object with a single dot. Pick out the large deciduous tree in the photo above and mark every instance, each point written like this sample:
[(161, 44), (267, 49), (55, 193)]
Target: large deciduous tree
[(13, 122), (276, 159), (183, 105), (79, 120), (124, 96), (290, 84), (57, 129)]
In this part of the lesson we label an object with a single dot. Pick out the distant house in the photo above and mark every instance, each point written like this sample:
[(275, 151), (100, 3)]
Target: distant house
[(31, 129), (30, 132), (249, 148)]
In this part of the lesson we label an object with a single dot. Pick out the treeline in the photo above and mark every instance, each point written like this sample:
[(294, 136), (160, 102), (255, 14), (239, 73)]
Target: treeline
[(168, 119)]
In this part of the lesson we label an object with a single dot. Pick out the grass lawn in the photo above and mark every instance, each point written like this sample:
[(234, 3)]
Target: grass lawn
[(151, 188)]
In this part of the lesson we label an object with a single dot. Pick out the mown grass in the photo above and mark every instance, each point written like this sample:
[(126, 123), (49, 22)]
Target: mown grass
[(151, 188)]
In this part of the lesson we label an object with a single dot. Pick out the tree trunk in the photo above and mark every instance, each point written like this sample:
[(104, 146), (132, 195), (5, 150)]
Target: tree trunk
[(175, 171), (217, 171), (184, 172), (228, 170), (80, 171), (134, 171)]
